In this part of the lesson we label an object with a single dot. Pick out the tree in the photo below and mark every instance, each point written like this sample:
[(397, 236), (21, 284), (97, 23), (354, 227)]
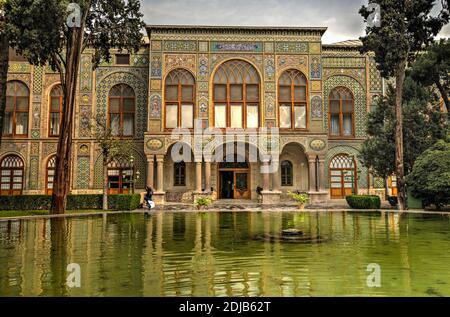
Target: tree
[(112, 148), (423, 125), (433, 68), (406, 27), (54, 32), (430, 177), (4, 64)]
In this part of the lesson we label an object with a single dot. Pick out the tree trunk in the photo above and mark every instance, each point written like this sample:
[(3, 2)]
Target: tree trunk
[(105, 184), (4, 64), (63, 155), (399, 164), (444, 95)]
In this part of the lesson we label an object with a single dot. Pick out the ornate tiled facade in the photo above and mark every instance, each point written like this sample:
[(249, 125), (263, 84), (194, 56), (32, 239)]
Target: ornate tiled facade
[(201, 51)]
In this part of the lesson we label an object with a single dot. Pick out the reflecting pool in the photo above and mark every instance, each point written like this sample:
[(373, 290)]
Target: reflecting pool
[(228, 254)]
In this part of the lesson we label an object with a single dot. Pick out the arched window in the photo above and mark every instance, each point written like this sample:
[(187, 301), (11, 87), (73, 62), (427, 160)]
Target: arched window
[(236, 95), (179, 178), (12, 173), (122, 107), (341, 112), (292, 100), (50, 175), (287, 176), (343, 176), (120, 177), (55, 113), (17, 107), (179, 99)]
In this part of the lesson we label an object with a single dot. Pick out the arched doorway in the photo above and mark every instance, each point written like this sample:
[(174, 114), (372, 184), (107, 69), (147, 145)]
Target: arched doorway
[(120, 177), (343, 176), (12, 174), (50, 175), (234, 178)]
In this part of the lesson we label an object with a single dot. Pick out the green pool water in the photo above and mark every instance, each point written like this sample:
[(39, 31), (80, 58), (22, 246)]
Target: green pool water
[(227, 254)]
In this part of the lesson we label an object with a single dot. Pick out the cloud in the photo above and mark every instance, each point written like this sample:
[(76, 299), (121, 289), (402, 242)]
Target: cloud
[(340, 16)]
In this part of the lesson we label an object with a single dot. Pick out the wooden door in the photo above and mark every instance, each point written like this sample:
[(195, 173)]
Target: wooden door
[(241, 185)]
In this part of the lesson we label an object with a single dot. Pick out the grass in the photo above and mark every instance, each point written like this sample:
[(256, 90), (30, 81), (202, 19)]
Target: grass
[(24, 213)]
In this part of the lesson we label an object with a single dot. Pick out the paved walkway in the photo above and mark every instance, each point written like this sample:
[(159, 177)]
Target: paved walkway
[(246, 205)]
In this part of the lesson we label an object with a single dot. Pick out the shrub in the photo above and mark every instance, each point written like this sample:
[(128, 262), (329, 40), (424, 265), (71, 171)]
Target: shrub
[(301, 199), (364, 202), (74, 202), (203, 201), (430, 177)]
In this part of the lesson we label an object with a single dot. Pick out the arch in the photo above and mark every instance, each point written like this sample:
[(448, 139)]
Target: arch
[(17, 109), (50, 168), (122, 110), (343, 176), (179, 99), (140, 88), (12, 171), (293, 100), (341, 112), (56, 98), (295, 153), (236, 95)]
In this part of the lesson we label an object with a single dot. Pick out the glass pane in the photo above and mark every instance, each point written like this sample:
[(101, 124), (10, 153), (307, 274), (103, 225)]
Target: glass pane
[(236, 92), (187, 116), (334, 124), (171, 116), (127, 91), (285, 93), (172, 93), (300, 117), (114, 105), (300, 93), (336, 185), (348, 127), (252, 116), (54, 123), (242, 182), (220, 116), (55, 105), (22, 104), (334, 106), (8, 124), (187, 93), (347, 106), (252, 93), (220, 93), (21, 89), (128, 105), (128, 124), (10, 103), (21, 123), (236, 116), (114, 120), (285, 117)]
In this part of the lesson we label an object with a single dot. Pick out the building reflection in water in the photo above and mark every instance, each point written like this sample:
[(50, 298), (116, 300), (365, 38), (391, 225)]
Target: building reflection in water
[(220, 254)]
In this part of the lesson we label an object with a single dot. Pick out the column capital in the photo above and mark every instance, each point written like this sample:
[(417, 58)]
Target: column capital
[(160, 158), (151, 158)]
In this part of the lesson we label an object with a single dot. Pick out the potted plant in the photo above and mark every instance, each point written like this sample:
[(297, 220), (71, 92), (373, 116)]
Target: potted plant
[(202, 203), (301, 199)]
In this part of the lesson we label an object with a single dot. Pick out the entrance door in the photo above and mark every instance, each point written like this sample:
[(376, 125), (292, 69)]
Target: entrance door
[(227, 185), (242, 188)]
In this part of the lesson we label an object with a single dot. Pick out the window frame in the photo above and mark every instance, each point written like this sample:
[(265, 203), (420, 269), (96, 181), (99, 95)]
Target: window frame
[(179, 174), (49, 191), (121, 112), (179, 103), (11, 191), (117, 56), (341, 134), (15, 111), (293, 103), (50, 112), (342, 171), (244, 102), (289, 177)]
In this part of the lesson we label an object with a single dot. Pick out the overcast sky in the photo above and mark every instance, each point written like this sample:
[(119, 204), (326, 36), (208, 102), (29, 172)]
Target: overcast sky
[(340, 16)]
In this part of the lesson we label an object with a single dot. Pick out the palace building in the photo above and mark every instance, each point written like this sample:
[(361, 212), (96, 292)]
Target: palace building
[(238, 78)]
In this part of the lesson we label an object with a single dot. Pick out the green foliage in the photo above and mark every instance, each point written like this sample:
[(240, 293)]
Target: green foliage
[(430, 177), (364, 202), (423, 125), (203, 201), (301, 199), (406, 26), (74, 202), (38, 29)]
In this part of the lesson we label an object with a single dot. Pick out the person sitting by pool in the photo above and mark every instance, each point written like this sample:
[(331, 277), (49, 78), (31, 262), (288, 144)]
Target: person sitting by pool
[(149, 198)]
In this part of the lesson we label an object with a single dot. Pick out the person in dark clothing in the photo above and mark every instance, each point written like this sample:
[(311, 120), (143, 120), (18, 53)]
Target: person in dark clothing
[(149, 198)]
